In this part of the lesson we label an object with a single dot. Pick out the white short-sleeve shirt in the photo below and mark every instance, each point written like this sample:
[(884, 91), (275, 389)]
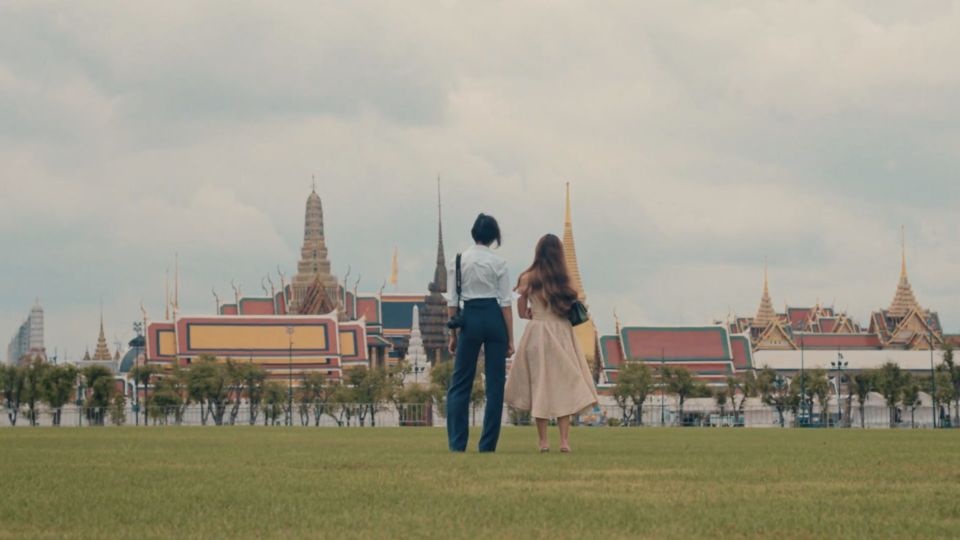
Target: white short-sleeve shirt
[(484, 275)]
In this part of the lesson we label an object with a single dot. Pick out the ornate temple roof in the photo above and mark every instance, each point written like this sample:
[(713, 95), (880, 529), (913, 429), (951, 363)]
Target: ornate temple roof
[(102, 352), (676, 343), (765, 313), (903, 300), (313, 265)]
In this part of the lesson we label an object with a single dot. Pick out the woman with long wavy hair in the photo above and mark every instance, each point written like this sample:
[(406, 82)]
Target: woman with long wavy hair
[(549, 376)]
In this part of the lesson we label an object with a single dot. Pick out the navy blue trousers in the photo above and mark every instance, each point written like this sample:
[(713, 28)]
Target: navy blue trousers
[(483, 326)]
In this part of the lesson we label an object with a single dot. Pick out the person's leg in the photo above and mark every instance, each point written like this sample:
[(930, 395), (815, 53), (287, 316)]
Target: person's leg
[(564, 424), (458, 396), (495, 366), (542, 432)]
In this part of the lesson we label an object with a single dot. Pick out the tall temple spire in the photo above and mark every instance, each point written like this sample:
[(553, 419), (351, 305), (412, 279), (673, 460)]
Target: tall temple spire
[(434, 316), (102, 352), (765, 313), (313, 267), (570, 250), (440, 272), (903, 300)]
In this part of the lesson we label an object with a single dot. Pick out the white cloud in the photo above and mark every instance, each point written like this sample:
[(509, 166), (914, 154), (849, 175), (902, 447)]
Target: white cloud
[(699, 138)]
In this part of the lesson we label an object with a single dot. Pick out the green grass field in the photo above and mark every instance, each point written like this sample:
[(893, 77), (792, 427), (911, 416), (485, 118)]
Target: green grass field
[(367, 483)]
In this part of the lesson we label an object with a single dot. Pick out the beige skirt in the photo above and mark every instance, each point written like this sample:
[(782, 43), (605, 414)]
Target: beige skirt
[(549, 376)]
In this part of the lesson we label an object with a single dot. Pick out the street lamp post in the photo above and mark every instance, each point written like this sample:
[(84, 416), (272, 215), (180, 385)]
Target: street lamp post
[(803, 384), (290, 330), (138, 330), (663, 390), (933, 381), (839, 364)]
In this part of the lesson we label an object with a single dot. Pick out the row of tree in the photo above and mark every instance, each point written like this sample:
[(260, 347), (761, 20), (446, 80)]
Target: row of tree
[(636, 381), (29, 385)]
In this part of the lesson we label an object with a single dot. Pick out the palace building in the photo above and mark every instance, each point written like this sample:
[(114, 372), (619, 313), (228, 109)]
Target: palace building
[(315, 323), (786, 341)]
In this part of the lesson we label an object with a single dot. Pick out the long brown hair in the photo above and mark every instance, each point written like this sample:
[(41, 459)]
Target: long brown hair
[(548, 276)]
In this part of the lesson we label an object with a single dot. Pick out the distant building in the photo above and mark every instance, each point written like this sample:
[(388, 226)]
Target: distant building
[(28, 340), (797, 338), (314, 324), (101, 354)]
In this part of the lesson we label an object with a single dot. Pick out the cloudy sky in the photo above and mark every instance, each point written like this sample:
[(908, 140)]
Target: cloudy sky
[(698, 138)]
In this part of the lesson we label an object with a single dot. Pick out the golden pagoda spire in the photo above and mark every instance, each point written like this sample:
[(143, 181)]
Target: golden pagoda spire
[(395, 268), (903, 300), (765, 313), (570, 250), (103, 351), (166, 294), (176, 284)]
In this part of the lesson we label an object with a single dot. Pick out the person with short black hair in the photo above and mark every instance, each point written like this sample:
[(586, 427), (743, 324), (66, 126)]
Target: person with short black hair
[(487, 321)]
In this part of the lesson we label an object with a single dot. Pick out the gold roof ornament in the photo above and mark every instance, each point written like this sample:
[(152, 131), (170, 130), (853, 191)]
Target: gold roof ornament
[(765, 313), (570, 251), (102, 352), (904, 300)]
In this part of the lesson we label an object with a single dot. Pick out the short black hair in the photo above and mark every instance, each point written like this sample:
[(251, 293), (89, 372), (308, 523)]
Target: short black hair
[(486, 230)]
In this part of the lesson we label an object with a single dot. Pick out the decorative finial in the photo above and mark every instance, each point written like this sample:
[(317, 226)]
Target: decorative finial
[(903, 251), (395, 267), (568, 219), (313, 183), (166, 294)]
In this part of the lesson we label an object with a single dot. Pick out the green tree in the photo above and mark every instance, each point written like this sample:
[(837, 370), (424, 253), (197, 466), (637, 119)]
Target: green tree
[(101, 387), (313, 398), (118, 411), (890, 382), (11, 381), (34, 377), (254, 378), (911, 396), (744, 385), (440, 377), (207, 383), (58, 387), (142, 376), (863, 383), (943, 395), (775, 391), (680, 382), (168, 398), (720, 396), (370, 390), (635, 382), (274, 403), (414, 402), (954, 373), (818, 387)]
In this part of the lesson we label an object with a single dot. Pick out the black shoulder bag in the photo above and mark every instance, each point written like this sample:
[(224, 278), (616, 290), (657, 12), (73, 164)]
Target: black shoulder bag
[(578, 313), (456, 321)]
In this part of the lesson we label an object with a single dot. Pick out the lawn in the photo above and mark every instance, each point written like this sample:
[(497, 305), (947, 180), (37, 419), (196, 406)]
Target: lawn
[(383, 482)]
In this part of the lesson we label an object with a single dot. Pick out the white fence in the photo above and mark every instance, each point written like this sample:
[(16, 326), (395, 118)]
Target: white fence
[(663, 414)]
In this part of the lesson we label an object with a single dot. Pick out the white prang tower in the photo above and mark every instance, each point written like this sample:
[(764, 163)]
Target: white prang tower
[(416, 358)]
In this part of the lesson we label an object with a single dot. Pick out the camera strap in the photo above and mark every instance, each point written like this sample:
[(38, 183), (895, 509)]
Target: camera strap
[(459, 285)]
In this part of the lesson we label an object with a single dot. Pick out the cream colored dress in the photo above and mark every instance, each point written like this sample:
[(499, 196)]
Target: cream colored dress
[(549, 376)]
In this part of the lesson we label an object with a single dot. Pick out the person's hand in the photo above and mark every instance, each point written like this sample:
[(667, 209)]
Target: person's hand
[(452, 343), (510, 350)]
